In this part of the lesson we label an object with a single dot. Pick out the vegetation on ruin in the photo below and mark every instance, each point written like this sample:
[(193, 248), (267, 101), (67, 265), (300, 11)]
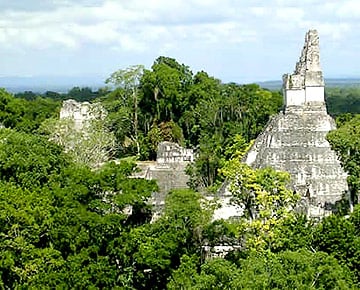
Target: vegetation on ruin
[(64, 225)]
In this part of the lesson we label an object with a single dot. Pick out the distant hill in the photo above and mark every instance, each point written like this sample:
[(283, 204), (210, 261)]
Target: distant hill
[(41, 84), (329, 82), (61, 84)]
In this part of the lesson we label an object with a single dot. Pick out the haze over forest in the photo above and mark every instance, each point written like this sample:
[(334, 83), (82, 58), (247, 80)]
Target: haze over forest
[(63, 84)]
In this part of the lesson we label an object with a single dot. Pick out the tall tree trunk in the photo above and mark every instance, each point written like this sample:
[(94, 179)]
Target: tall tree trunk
[(136, 122)]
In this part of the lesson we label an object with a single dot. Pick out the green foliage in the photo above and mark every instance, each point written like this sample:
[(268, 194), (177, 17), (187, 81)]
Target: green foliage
[(266, 200), (185, 276), (119, 121), (217, 120), (165, 131), (195, 109), (58, 219), (286, 270), (296, 232), (81, 94), (28, 161), (339, 237), (151, 252), (25, 115), (343, 100), (221, 232), (346, 142), (66, 226), (164, 88), (27, 95), (91, 145), (292, 270), (129, 80)]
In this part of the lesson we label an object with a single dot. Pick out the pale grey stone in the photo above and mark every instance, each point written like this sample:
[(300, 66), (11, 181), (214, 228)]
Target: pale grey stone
[(295, 139)]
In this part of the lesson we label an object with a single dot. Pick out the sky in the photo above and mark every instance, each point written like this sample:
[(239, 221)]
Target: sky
[(233, 40)]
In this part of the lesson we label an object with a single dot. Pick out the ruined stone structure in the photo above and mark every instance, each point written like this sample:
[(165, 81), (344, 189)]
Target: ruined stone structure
[(295, 141), (172, 153), (81, 112), (306, 85), (168, 170), (82, 132)]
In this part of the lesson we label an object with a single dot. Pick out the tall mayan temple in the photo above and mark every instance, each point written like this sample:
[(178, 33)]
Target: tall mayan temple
[(295, 139)]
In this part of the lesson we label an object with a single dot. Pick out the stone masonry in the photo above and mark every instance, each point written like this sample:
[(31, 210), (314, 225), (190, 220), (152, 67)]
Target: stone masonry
[(295, 140), (168, 170), (81, 112)]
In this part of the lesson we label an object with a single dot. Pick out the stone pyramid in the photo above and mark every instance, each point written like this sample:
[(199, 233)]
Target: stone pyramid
[(295, 139)]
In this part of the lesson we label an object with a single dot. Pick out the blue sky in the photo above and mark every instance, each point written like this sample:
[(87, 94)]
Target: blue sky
[(240, 41)]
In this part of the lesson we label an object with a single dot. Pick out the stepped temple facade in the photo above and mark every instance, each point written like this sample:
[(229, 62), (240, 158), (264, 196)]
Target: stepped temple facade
[(295, 139)]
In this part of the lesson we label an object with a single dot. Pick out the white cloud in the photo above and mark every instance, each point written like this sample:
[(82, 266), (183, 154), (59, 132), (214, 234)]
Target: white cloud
[(349, 9), (293, 14), (144, 27), (335, 31), (132, 26), (258, 11)]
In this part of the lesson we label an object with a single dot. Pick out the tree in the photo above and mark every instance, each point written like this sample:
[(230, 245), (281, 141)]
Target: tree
[(81, 94), (265, 198), (165, 131), (215, 274), (342, 100), (339, 236), (153, 251), (129, 80), (92, 145), (292, 270), (165, 89), (216, 119), (28, 161), (25, 115), (27, 95), (59, 220), (346, 142), (285, 270)]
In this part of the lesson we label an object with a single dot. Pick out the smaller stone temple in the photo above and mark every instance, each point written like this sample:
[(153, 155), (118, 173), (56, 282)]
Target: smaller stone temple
[(169, 170), (81, 112), (82, 132)]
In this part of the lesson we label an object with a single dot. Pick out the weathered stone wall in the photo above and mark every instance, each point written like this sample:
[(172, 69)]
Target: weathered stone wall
[(169, 152), (295, 140), (306, 83), (168, 171), (81, 112)]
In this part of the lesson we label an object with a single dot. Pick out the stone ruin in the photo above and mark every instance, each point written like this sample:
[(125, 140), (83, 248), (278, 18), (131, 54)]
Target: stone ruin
[(171, 161), (172, 153), (295, 139), (82, 132), (169, 170), (81, 112)]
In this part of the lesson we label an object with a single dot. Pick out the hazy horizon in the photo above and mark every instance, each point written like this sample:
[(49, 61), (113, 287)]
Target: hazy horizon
[(41, 84)]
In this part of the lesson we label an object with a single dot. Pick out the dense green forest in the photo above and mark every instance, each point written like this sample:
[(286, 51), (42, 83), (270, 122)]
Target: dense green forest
[(67, 226)]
